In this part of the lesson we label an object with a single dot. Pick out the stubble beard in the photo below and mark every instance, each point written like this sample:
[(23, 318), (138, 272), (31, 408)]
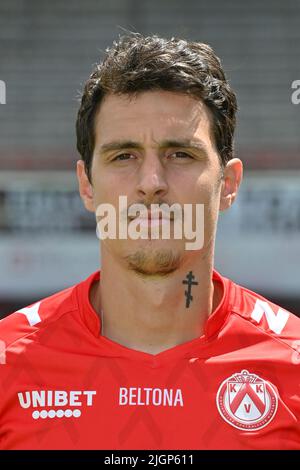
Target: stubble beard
[(157, 262)]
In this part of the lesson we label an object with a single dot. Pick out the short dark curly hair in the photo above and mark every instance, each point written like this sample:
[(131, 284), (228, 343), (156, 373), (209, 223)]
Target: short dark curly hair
[(136, 63)]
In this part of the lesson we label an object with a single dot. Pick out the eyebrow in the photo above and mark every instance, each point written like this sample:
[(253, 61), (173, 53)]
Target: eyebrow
[(129, 144)]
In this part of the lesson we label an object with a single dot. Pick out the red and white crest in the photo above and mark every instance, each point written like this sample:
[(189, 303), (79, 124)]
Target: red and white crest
[(246, 401)]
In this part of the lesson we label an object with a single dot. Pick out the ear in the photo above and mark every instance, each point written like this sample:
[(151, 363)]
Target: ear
[(232, 177), (85, 187)]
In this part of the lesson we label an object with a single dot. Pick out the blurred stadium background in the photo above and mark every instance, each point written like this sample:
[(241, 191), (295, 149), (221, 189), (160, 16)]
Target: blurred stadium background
[(47, 240)]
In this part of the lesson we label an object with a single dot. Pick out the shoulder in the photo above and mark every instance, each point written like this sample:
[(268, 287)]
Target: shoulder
[(269, 318), (267, 340), (36, 316)]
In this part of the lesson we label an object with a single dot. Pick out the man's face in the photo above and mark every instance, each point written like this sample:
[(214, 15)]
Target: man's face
[(167, 155)]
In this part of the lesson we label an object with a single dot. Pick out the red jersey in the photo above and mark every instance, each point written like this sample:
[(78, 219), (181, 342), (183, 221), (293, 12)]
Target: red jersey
[(64, 386)]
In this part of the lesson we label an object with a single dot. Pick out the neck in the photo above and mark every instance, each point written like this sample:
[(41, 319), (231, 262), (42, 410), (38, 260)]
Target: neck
[(152, 314)]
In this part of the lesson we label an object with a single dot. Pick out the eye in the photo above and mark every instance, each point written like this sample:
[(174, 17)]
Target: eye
[(180, 156), (123, 157)]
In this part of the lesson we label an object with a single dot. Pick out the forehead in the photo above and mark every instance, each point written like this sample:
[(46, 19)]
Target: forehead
[(152, 114)]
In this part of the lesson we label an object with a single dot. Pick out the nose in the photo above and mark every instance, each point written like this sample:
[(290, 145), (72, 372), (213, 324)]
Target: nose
[(152, 180)]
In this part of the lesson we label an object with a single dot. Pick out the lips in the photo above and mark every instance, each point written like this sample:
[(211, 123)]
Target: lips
[(154, 216)]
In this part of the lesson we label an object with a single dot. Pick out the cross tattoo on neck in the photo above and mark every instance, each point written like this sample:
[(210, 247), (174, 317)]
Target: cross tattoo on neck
[(190, 282)]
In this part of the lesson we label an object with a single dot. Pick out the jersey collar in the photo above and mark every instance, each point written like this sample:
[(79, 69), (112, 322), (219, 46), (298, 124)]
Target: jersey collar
[(212, 327)]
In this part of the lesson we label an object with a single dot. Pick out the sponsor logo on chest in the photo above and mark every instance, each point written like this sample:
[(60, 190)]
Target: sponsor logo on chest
[(138, 396), (56, 403)]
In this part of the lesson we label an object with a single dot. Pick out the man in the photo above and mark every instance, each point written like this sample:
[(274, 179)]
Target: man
[(158, 351)]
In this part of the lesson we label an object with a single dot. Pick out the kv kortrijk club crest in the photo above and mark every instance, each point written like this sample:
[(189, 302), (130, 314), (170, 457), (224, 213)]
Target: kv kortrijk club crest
[(246, 401)]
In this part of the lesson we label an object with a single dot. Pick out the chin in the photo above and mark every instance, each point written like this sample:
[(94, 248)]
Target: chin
[(156, 259)]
